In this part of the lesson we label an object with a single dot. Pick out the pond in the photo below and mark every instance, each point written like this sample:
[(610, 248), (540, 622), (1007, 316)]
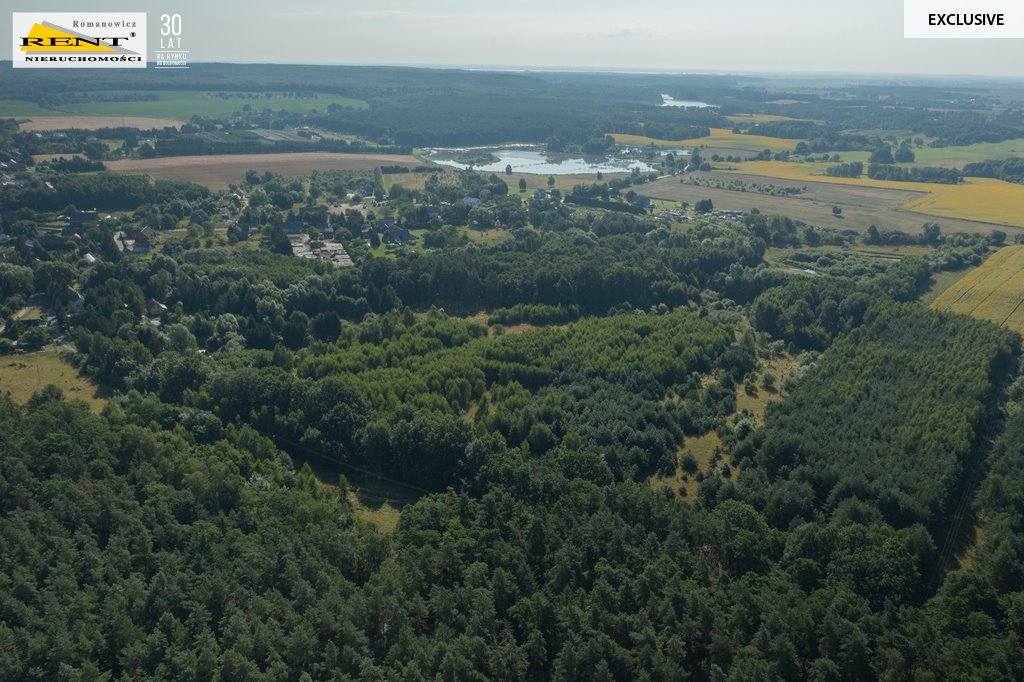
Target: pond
[(668, 101), (525, 159)]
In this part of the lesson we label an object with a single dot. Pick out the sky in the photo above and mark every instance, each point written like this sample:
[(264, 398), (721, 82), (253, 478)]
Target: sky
[(737, 36)]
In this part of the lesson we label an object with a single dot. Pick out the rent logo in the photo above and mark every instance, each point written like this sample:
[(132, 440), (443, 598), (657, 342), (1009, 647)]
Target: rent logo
[(79, 40)]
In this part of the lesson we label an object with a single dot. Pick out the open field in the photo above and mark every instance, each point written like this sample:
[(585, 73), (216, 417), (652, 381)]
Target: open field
[(862, 206), (994, 291), (23, 375), (42, 123), (17, 108), (219, 171), (977, 199), (720, 138), (956, 157), (985, 199)]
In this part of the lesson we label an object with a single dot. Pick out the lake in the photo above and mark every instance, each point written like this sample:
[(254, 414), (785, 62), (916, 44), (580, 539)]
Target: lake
[(533, 160), (668, 101)]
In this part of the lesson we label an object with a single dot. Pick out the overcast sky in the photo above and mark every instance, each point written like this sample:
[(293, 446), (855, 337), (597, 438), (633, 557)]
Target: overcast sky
[(657, 35)]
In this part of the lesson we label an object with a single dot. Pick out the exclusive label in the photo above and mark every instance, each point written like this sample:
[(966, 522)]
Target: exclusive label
[(952, 19)]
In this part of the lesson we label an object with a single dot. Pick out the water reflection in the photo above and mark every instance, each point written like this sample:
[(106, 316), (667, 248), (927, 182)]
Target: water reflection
[(668, 101), (533, 160)]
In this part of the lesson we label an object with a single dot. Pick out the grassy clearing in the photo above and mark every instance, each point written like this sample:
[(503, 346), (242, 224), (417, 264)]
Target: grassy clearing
[(23, 375), (375, 501), (705, 448), (382, 515), (407, 180), (32, 313), (722, 138), (488, 237), (967, 557), (994, 291), (683, 484)]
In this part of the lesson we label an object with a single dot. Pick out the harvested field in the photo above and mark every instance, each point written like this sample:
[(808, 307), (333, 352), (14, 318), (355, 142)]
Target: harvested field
[(219, 171), (862, 206), (41, 123), (980, 200), (720, 138), (994, 291)]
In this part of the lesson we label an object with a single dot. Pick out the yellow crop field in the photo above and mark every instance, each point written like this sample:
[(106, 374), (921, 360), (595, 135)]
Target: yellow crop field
[(986, 199), (981, 199), (815, 172), (719, 137), (994, 291)]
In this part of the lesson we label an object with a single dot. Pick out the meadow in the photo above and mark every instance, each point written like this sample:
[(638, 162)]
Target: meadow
[(956, 157), (994, 291), (18, 108), (24, 374)]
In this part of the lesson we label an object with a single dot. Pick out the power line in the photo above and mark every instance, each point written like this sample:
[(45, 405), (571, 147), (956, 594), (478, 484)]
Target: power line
[(339, 462)]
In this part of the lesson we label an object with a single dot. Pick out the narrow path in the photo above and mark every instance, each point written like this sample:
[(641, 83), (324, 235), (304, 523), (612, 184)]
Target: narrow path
[(16, 316)]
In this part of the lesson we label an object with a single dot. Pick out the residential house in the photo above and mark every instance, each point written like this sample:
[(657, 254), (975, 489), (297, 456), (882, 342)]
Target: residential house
[(155, 307), (293, 226), (398, 236), (80, 218)]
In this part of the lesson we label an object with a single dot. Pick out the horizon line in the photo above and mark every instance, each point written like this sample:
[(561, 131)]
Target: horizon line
[(639, 71)]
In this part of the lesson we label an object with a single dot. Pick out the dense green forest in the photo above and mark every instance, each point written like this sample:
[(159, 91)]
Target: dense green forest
[(179, 534), (623, 443), (1010, 170), (181, 552)]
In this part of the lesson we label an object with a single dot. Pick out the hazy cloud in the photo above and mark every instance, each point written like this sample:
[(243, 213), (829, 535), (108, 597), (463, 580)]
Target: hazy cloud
[(660, 35)]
